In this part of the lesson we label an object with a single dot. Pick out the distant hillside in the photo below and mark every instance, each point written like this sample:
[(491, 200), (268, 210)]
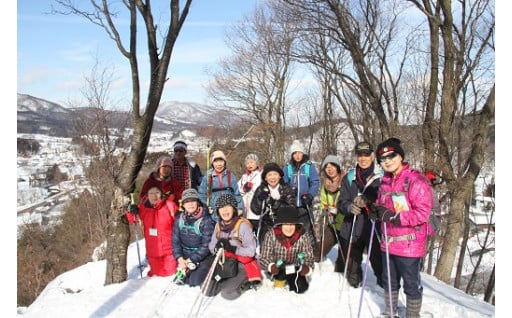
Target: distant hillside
[(39, 116)]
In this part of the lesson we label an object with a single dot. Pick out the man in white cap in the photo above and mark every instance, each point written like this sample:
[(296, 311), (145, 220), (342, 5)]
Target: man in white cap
[(185, 170)]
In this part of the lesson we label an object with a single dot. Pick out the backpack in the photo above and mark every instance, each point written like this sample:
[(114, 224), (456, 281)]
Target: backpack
[(195, 226), (235, 229), (290, 170), (434, 219)]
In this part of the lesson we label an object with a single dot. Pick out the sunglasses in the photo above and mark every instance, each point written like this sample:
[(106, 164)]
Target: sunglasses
[(179, 150), (391, 156)]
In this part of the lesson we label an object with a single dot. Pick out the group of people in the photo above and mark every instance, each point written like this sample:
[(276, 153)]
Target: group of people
[(266, 222)]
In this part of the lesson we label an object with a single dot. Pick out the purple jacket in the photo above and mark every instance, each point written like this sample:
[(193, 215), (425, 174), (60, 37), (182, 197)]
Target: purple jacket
[(410, 237)]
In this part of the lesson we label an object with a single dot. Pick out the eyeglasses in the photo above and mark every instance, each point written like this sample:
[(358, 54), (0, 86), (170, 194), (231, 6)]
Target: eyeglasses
[(179, 150), (391, 156)]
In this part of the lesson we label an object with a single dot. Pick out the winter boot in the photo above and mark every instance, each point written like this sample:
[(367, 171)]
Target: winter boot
[(279, 283), (413, 307), (394, 299)]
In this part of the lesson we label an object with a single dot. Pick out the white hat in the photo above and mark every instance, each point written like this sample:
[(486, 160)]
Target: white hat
[(217, 155), (296, 146), (252, 156)]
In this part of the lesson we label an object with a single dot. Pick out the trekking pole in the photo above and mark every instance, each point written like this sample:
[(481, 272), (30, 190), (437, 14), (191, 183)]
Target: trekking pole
[(136, 231), (339, 242), (322, 236), (390, 296), (311, 220), (348, 253), (372, 233)]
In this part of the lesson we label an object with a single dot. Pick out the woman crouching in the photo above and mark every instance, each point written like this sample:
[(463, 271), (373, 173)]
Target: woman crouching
[(234, 234), (287, 253)]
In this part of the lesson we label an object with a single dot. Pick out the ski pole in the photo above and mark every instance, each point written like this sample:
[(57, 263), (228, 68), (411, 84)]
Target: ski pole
[(366, 268), (339, 242), (348, 253), (136, 231), (311, 220), (391, 309)]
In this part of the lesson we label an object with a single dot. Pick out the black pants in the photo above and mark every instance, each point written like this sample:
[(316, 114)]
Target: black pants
[(354, 271), (296, 282)]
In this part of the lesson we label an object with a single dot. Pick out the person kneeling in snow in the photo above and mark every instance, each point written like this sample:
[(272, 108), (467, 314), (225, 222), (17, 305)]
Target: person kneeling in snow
[(235, 236), (286, 251)]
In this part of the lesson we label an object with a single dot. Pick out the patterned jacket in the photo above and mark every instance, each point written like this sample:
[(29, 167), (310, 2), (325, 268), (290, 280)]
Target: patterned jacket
[(273, 250)]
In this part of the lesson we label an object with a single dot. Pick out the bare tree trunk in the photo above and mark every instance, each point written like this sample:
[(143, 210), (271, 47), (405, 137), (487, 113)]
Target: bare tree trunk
[(462, 254), (471, 284), (489, 291)]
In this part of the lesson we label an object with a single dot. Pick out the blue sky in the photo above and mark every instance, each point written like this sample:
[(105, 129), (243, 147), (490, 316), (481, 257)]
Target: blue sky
[(56, 52)]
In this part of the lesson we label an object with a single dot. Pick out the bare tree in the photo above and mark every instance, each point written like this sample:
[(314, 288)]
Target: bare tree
[(159, 51), (254, 81)]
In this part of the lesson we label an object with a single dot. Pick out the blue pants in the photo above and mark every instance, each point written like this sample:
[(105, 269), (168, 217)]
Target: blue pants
[(406, 268)]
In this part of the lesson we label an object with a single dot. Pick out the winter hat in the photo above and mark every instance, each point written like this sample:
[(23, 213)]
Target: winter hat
[(226, 199), (253, 157), (163, 161), (296, 146), (180, 145), (331, 159), (287, 215), (189, 194), (217, 155), (363, 148), (390, 145), (272, 166)]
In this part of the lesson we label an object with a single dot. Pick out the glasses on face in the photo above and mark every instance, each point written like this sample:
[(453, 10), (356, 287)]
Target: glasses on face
[(179, 150), (391, 156)]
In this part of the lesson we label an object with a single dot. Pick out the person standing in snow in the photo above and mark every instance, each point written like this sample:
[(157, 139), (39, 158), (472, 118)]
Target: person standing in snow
[(162, 177), (301, 175), (191, 235), (234, 234), (269, 196), (359, 186), (404, 201), (247, 184), (157, 217), (185, 170), (330, 220), (217, 181), (286, 251)]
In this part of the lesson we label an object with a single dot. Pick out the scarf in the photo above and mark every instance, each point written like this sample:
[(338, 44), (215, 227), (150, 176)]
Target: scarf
[(227, 228), (287, 242), (334, 184)]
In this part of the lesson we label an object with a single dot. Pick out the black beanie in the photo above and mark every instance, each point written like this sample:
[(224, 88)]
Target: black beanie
[(391, 144), (287, 215), (272, 166)]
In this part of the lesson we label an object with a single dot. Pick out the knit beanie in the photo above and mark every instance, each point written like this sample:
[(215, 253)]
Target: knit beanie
[(226, 199), (390, 145), (163, 161), (296, 146), (287, 215), (217, 155), (252, 156), (189, 195), (272, 166), (331, 159)]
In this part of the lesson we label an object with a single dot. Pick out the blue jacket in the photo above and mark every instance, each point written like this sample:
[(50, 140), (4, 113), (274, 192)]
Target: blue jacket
[(191, 236), (299, 180), (217, 187)]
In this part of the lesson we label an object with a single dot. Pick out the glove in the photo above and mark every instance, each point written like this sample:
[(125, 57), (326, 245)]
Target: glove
[(247, 186), (307, 199), (273, 269), (224, 243), (263, 195), (355, 209), (274, 204), (134, 209), (380, 213), (304, 270), (360, 201)]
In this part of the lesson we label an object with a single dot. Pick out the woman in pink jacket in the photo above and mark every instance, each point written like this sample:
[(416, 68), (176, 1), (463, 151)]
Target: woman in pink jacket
[(157, 217), (403, 204)]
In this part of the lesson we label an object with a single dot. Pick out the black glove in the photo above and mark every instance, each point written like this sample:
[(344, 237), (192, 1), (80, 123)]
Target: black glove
[(307, 199), (133, 209), (263, 195), (274, 204), (380, 213), (224, 243), (247, 186)]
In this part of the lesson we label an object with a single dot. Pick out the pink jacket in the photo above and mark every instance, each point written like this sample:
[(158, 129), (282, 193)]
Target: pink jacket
[(409, 238)]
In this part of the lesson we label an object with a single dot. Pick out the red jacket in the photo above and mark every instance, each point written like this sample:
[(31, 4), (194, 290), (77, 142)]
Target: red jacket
[(158, 222), (170, 187)]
